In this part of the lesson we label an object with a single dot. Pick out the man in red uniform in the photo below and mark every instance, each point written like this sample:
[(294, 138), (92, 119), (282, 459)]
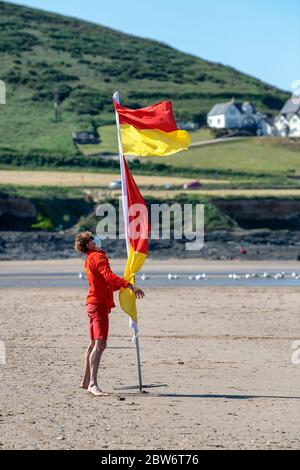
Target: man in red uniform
[(100, 300)]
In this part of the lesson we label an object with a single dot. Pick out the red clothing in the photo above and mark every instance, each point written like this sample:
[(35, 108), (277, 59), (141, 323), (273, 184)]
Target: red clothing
[(99, 321), (102, 280)]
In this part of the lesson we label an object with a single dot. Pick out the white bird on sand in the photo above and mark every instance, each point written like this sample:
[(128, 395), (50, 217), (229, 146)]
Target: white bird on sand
[(278, 276), (234, 276)]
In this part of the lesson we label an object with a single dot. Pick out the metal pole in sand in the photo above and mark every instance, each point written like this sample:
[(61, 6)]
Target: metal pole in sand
[(116, 98)]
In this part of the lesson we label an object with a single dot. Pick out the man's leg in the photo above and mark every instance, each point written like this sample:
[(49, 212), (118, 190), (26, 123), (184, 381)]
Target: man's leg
[(87, 371), (95, 357)]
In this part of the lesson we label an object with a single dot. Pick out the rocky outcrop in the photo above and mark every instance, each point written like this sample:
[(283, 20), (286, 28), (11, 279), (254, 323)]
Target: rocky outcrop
[(273, 213), (248, 244), (16, 213)]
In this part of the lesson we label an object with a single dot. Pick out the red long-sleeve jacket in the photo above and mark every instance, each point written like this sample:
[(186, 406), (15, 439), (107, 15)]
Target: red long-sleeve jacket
[(102, 281)]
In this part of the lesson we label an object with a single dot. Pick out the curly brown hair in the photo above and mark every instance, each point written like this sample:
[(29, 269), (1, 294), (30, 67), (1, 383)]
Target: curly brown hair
[(81, 241)]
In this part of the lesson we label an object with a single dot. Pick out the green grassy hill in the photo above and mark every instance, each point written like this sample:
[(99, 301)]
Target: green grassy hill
[(43, 52)]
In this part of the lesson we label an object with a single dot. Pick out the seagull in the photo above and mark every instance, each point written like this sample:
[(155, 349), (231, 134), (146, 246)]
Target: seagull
[(172, 276), (234, 276), (81, 276), (144, 277), (191, 278), (278, 276)]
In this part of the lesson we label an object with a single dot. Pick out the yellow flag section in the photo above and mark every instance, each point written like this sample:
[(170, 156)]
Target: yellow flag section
[(151, 131), (151, 142), (138, 233)]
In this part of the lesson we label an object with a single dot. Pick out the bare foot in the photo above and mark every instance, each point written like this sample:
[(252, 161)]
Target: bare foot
[(95, 390), (84, 385)]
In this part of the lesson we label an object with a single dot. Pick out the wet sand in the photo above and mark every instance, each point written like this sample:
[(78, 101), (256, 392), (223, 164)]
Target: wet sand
[(151, 265), (225, 353)]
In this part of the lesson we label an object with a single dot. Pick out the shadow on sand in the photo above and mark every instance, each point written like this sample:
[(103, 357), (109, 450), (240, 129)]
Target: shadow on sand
[(209, 395), (224, 396)]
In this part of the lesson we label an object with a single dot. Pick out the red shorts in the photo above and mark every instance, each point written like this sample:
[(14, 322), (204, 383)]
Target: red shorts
[(99, 321)]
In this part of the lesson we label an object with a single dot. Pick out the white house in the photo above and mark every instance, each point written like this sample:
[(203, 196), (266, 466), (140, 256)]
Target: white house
[(233, 115), (288, 121), (225, 116), (282, 126), (265, 126), (294, 125)]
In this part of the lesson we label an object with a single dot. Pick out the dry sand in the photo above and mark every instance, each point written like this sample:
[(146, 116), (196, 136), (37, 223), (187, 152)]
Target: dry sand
[(225, 354)]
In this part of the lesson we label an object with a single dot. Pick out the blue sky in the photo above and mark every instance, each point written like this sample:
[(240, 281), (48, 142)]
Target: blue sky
[(258, 37)]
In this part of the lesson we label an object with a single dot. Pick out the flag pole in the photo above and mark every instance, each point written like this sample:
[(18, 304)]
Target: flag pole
[(133, 325)]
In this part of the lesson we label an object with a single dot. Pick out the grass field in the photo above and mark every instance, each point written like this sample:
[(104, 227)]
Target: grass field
[(69, 179), (109, 142), (152, 186), (211, 193), (44, 53), (251, 155)]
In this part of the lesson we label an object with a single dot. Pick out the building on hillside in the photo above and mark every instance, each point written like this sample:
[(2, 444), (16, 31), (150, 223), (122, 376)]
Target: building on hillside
[(265, 126), (288, 121), (83, 138), (233, 115), (225, 116), (188, 125), (294, 125)]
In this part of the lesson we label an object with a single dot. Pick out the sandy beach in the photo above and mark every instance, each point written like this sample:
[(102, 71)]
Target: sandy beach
[(224, 352)]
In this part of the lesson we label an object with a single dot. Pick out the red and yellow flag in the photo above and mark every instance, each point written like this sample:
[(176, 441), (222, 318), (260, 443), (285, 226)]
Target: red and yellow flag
[(138, 231), (151, 131)]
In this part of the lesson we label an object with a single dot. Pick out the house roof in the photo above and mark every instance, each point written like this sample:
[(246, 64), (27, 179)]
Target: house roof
[(268, 119), (291, 107), (221, 108), (290, 116)]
